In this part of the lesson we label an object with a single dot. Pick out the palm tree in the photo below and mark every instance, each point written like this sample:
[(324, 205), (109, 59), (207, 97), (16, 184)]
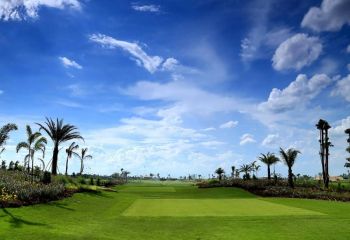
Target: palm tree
[(4, 132), (269, 159), (59, 133), (70, 150), (246, 168), (82, 157), (35, 142), (289, 158), (219, 172)]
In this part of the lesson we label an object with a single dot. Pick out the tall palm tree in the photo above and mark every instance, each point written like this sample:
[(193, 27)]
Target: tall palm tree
[(70, 150), (82, 157), (269, 159), (4, 132), (219, 172), (289, 158), (35, 142), (59, 133)]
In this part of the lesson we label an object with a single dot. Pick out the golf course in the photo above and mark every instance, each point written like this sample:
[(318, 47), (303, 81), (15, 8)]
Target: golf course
[(176, 210)]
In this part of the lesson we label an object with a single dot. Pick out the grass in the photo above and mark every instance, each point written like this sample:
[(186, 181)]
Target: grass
[(104, 216)]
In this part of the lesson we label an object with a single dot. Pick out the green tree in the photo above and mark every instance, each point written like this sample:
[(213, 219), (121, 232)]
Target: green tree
[(35, 142), (83, 156), (5, 131), (70, 150), (219, 172), (269, 159), (347, 164), (59, 133), (289, 158), (246, 169)]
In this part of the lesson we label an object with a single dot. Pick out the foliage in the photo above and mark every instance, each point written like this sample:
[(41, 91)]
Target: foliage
[(4, 133), (219, 172), (268, 159), (16, 184), (289, 158), (59, 133)]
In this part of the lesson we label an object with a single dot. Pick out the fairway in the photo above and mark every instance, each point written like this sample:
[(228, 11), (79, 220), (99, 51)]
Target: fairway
[(170, 211), (211, 207)]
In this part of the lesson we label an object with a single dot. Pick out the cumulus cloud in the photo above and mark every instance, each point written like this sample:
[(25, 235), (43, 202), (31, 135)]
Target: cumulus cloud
[(296, 52), (146, 8), (229, 124), (150, 63), (271, 140), (170, 64), (342, 88), (298, 92), (246, 138), (24, 9), (332, 15), (68, 63), (341, 127)]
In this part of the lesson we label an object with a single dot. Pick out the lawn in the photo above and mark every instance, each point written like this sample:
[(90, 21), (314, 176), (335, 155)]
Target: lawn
[(177, 211)]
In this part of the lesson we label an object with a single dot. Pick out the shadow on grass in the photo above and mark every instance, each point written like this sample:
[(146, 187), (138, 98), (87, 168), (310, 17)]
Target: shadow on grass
[(61, 205), (19, 222), (97, 194)]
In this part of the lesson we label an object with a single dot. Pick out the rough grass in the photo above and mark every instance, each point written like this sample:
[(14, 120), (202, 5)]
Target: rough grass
[(100, 216)]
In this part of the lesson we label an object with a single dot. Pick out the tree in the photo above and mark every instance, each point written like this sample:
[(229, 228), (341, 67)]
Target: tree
[(233, 168), (323, 126), (82, 157), (269, 159), (59, 133), (5, 131), (246, 169), (289, 158), (347, 164), (219, 172), (70, 150), (35, 142)]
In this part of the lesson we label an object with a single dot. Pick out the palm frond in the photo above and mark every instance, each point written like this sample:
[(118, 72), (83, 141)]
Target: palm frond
[(22, 145), (4, 132)]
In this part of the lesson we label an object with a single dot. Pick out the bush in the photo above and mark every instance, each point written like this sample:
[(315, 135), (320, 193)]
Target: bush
[(46, 177), (91, 181), (15, 186)]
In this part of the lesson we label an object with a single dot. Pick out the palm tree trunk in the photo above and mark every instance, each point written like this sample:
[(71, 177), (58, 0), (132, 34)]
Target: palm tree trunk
[(81, 166), (67, 166), (54, 160), (290, 177), (32, 167), (268, 172)]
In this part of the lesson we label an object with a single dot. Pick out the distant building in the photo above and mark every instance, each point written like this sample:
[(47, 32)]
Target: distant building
[(331, 178)]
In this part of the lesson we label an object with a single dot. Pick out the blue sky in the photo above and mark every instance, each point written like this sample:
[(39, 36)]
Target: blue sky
[(179, 87)]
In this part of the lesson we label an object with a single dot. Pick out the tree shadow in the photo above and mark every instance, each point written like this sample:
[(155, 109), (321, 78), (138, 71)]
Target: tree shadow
[(19, 222), (97, 194), (61, 205)]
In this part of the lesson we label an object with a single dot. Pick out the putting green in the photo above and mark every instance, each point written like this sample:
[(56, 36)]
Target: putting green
[(211, 207), (147, 189)]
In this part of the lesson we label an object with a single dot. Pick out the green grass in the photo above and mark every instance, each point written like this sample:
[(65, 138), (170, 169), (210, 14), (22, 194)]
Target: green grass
[(185, 213)]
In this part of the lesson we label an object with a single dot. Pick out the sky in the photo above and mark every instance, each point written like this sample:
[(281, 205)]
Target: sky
[(179, 87)]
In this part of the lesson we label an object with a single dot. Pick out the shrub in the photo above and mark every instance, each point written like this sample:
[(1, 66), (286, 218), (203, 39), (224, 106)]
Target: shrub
[(46, 177), (91, 181)]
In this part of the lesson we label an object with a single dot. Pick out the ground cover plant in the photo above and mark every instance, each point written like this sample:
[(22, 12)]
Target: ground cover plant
[(104, 216)]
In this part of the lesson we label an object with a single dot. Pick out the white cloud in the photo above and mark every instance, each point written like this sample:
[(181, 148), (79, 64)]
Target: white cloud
[(209, 129), (150, 63), (342, 88), (348, 66), (348, 49), (341, 127), (296, 52), (229, 124), (146, 8), (298, 92), (259, 43), (68, 63), (23, 9), (170, 64), (187, 98), (331, 16), (271, 140), (246, 138), (68, 103)]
